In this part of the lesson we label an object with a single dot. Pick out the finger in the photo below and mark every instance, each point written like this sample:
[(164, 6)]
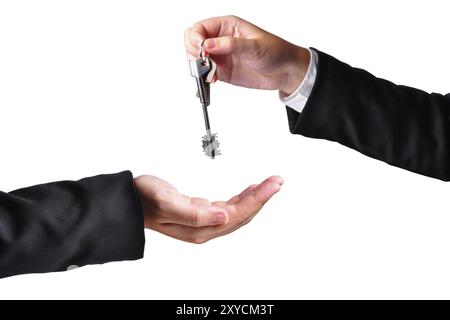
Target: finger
[(249, 189), (200, 202), (268, 188), (229, 45), (211, 27), (185, 233), (252, 187), (192, 41), (253, 201), (198, 235), (208, 28), (216, 234), (220, 204), (225, 26), (194, 36), (237, 197), (243, 208), (192, 215), (239, 214), (208, 233)]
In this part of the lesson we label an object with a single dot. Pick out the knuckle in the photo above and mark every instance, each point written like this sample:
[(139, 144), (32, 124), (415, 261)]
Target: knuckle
[(231, 42), (195, 219)]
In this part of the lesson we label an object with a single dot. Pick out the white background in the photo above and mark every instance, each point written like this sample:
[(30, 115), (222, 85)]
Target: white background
[(89, 87)]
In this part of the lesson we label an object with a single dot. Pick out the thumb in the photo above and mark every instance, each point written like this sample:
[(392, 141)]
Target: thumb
[(196, 216), (228, 45)]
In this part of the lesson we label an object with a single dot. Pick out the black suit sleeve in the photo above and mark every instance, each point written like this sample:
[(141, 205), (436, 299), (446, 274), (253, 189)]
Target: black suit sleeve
[(402, 126), (52, 226)]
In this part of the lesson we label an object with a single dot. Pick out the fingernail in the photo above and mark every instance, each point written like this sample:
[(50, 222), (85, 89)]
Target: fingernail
[(220, 218), (277, 179), (210, 44)]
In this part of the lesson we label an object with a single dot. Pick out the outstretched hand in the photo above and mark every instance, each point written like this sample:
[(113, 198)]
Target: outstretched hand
[(198, 220)]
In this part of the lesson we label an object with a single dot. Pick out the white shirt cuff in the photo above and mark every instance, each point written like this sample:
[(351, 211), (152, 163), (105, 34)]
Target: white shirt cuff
[(297, 100)]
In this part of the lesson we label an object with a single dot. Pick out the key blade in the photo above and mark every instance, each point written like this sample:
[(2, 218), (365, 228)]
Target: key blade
[(204, 92)]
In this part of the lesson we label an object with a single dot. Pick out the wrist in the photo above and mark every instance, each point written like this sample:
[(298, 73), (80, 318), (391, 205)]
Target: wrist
[(296, 70), (139, 187)]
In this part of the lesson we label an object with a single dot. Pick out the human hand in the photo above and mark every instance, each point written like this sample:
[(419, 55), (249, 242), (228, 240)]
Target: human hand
[(198, 220), (248, 56)]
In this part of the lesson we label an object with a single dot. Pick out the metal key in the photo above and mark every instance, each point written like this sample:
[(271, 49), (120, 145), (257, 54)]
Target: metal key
[(203, 71)]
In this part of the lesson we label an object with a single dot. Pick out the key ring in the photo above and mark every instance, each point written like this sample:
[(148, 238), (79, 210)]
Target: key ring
[(203, 55)]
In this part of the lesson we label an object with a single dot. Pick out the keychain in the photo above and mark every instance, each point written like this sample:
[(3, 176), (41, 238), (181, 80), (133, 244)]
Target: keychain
[(203, 70)]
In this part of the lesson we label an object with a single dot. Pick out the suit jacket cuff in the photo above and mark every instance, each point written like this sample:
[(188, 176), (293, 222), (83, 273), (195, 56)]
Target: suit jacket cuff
[(62, 225), (315, 112)]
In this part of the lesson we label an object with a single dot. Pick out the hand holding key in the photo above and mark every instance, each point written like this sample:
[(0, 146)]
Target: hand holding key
[(248, 56)]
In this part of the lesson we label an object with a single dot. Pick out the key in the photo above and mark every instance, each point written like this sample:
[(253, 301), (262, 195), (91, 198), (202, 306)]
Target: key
[(203, 71)]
